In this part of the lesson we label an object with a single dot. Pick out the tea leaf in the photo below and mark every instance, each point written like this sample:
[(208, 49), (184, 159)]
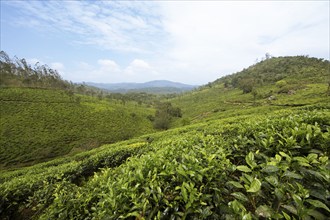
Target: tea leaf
[(292, 175), (255, 186), (243, 169), (250, 160), (240, 196), (290, 208), (264, 211), (270, 169), (318, 204), (236, 184)]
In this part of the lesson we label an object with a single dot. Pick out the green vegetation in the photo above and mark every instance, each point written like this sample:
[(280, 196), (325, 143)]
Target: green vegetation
[(255, 145), (252, 167), (40, 124), (164, 115), (269, 85), (19, 73)]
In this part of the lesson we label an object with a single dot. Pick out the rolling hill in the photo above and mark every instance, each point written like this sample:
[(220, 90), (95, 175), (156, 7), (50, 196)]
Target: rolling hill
[(40, 124), (255, 145), (156, 86), (304, 81)]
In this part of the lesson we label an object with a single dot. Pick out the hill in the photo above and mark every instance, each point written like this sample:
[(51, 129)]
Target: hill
[(40, 124), (249, 167), (156, 86), (274, 83), (254, 149)]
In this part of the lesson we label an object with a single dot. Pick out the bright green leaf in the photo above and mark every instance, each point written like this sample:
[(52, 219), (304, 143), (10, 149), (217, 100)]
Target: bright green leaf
[(255, 186), (272, 180), (286, 216), (244, 169), (184, 194), (250, 160), (236, 184)]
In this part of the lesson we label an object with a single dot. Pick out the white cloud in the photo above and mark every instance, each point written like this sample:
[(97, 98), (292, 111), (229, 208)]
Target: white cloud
[(193, 42), (140, 69), (213, 38), (108, 71), (57, 66), (108, 66), (115, 25)]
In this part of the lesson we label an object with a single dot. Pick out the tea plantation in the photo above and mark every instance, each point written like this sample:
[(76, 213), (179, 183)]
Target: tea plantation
[(274, 166), (251, 145), (40, 124)]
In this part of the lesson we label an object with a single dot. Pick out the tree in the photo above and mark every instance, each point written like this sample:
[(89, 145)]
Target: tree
[(162, 120), (164, 114), (247, 85), (281, 83), (255, 94)]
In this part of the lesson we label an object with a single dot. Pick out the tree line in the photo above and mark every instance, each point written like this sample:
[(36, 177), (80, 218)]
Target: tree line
[(19, 73)]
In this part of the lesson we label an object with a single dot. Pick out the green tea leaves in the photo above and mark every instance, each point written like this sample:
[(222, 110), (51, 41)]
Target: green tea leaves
[(250, 160), (255, 186), (244, 169), (318, 204), (270, 169)]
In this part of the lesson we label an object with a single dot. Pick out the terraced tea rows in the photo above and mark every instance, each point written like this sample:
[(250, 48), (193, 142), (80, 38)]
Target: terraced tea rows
[(274, 166)]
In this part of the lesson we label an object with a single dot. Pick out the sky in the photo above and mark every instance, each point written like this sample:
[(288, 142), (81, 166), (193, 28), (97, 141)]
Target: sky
[(193, 42)]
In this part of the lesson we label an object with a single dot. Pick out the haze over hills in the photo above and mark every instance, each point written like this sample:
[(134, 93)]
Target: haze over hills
[(156, 86)]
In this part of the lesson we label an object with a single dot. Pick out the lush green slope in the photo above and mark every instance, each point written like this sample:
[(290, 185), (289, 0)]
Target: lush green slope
[(39, 124), (275, 83), (257, 148), (249, 167)]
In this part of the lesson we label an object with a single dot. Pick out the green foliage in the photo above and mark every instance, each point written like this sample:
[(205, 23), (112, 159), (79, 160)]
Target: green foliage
[(290, 81), (246, 159), (246, 84), (273, 166), (164, 114), (40, 124), (281, 83), (272, 70), (18, 73)]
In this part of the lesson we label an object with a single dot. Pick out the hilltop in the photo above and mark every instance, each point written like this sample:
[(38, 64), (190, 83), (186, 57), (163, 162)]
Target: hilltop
[(272, 84)]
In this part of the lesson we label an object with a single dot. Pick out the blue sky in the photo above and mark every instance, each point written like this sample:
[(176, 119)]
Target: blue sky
[(193, 42)]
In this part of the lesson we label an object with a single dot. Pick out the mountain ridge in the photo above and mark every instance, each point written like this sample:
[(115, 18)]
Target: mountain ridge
[(132, 86)]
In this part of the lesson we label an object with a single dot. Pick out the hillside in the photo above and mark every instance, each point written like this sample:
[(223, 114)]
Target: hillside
[(40, 124), (249, 167), (275, 83), (253, 147)]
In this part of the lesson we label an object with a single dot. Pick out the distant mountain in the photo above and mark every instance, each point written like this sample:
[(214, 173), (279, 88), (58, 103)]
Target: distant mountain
[(156, 86)]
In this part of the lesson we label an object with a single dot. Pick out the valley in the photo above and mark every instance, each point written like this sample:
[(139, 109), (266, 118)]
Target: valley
[(250, 145)]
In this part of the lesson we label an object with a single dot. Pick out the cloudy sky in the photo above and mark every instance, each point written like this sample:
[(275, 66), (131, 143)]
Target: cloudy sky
[(193, 42)]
